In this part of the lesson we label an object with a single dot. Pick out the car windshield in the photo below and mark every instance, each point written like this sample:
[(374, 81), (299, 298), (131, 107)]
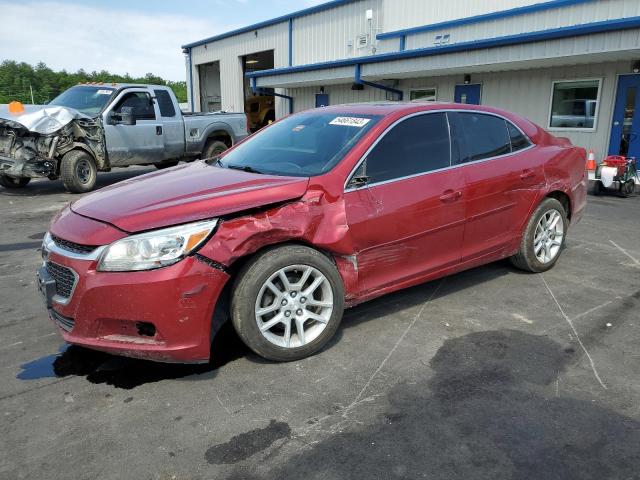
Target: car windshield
[(304, 145), (88, 100)]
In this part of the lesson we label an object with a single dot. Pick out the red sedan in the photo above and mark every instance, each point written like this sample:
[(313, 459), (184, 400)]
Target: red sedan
[(320, 211)]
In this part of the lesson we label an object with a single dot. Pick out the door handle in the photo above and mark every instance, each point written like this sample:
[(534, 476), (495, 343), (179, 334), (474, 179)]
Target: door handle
[(450, 196), (158, 130), (527, 174)]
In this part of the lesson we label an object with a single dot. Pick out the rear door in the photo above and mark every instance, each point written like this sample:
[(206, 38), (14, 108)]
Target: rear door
[(139, 143), (502, 178), (409, 218)]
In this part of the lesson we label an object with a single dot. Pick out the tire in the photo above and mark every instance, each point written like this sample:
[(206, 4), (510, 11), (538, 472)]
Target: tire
[(213, 148), (629, 187), (250, 292), (598, 188), (78, 171), (12, 182), (526, 258), (163, 165)]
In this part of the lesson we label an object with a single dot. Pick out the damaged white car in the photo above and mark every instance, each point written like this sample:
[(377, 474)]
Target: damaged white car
[(94, 127)]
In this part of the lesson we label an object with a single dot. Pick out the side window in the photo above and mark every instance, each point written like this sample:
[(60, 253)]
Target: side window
[(416, 145), (518, 139), (165, 103), (141, 103), (486, 136)]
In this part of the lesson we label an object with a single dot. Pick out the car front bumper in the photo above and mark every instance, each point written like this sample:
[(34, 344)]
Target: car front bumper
[(163, 315)]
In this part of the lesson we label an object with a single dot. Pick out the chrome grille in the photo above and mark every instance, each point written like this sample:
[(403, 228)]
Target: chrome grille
[(71, 246), (63, 322), (64, 277)]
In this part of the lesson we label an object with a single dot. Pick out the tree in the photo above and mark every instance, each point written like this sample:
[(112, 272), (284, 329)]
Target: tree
[(18, 79)]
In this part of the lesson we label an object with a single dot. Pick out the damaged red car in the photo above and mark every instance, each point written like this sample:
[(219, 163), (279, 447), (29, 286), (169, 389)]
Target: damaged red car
[(320, 211)]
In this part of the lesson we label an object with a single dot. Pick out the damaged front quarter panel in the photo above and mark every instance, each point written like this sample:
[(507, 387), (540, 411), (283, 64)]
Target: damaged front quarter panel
[(32, 143), (317, 219)]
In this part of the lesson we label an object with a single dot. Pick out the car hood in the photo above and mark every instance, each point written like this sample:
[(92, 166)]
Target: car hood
[(186, 193), (40, 119)]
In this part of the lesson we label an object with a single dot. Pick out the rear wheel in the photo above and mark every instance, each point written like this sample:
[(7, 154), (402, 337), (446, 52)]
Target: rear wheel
[(543, 239), (11, 182), (287, 303), (78, 171), (629, 188), (213, 148)]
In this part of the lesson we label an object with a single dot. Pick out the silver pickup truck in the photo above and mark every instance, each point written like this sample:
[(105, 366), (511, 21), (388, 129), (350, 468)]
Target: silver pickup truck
[(95, 127)]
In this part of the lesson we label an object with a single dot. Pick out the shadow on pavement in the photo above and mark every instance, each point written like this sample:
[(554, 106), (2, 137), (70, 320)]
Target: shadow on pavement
[(483, 414)]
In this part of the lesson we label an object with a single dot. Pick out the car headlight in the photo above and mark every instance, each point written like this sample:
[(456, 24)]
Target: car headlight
[(155, 249)]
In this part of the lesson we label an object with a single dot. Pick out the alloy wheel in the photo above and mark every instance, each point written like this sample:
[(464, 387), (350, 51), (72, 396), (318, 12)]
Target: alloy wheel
[(548, 238)]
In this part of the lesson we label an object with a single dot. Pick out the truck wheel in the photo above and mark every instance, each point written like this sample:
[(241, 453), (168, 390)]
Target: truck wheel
[(213, 148), (543, 239), (287, 302), (78, 171), (11, 182)]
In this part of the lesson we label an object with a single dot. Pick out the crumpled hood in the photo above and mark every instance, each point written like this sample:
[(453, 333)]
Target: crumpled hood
[(186, 193), (42, 119)]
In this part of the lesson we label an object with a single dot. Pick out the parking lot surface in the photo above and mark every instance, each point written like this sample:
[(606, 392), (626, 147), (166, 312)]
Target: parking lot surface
[(491, 373)]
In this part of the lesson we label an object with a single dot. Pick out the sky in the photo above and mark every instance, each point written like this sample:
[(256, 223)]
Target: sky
[(121, 36)]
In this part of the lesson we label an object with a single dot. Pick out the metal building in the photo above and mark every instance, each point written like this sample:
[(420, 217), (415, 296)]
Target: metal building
[(572, 66)]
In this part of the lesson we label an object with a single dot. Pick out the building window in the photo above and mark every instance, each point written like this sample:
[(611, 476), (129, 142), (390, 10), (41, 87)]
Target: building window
[(423, 95), (574, 104)]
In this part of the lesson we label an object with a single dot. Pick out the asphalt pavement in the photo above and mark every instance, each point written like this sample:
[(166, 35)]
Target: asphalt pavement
[(492, 373)]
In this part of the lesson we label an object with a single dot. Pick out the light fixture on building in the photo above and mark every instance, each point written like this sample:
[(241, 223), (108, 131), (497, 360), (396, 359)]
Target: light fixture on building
[(321, 89), (357, 86), (251, 62), (467, 79), (636, 67)]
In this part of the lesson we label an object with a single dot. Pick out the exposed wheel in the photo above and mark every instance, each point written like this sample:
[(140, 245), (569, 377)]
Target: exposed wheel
[(163, 165), (12, 182), (598, 188), (78, 171), (629, 188), (543, 239), (213, 148), (287, 302)]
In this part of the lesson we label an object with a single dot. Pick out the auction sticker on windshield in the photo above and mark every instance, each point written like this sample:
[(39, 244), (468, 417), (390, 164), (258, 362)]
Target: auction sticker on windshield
[(104, 92), (350, 121)]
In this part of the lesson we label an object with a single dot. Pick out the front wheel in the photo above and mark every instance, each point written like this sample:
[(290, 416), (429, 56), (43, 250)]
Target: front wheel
[(12, 182), (543, 239), (78, 171), (287, 303)]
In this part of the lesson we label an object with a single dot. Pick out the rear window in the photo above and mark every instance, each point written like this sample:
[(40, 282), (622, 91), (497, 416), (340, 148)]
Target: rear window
[(165, 103), (486, 136)]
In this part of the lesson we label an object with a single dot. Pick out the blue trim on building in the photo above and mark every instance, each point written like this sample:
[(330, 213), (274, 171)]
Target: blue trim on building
[(538, 7), (300, 13), (358, 79), (290, 42), (507, 40), (191, 83)]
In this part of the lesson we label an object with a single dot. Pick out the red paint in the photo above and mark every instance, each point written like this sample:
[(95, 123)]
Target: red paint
[(382, 238)]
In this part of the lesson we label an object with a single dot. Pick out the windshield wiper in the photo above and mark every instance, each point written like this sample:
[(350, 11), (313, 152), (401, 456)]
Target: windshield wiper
[(244, 168)]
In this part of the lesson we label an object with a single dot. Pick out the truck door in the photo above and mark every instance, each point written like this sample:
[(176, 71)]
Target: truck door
[(133, 144), (172, 126)]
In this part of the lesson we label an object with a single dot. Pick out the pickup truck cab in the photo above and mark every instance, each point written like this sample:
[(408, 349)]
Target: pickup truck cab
[(95, 127)]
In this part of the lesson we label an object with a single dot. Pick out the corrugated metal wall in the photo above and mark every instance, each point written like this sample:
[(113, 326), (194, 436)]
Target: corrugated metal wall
[(527, 92), (229, 50), (327, 35)]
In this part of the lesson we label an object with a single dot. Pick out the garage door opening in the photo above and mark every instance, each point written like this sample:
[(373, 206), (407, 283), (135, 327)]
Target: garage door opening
[(260, 108), (210, 92)]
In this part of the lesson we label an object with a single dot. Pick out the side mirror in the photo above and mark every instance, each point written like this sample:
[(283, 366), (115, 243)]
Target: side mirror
[(359, 181), (126, 116)]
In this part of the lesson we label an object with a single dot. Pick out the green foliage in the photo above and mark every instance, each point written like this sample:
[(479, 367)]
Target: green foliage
[(17, 80)]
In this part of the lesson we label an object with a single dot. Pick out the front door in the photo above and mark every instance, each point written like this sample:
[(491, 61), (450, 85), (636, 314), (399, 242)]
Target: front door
[(625, 132), (469, 94), (408, 221), (322, 100), (134, 144)]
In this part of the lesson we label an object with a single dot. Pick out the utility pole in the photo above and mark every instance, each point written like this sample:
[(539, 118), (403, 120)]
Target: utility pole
[(31, 90)]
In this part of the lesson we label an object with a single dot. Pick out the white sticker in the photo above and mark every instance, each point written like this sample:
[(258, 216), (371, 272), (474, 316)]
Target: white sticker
[(350, 121), (104, 92)]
